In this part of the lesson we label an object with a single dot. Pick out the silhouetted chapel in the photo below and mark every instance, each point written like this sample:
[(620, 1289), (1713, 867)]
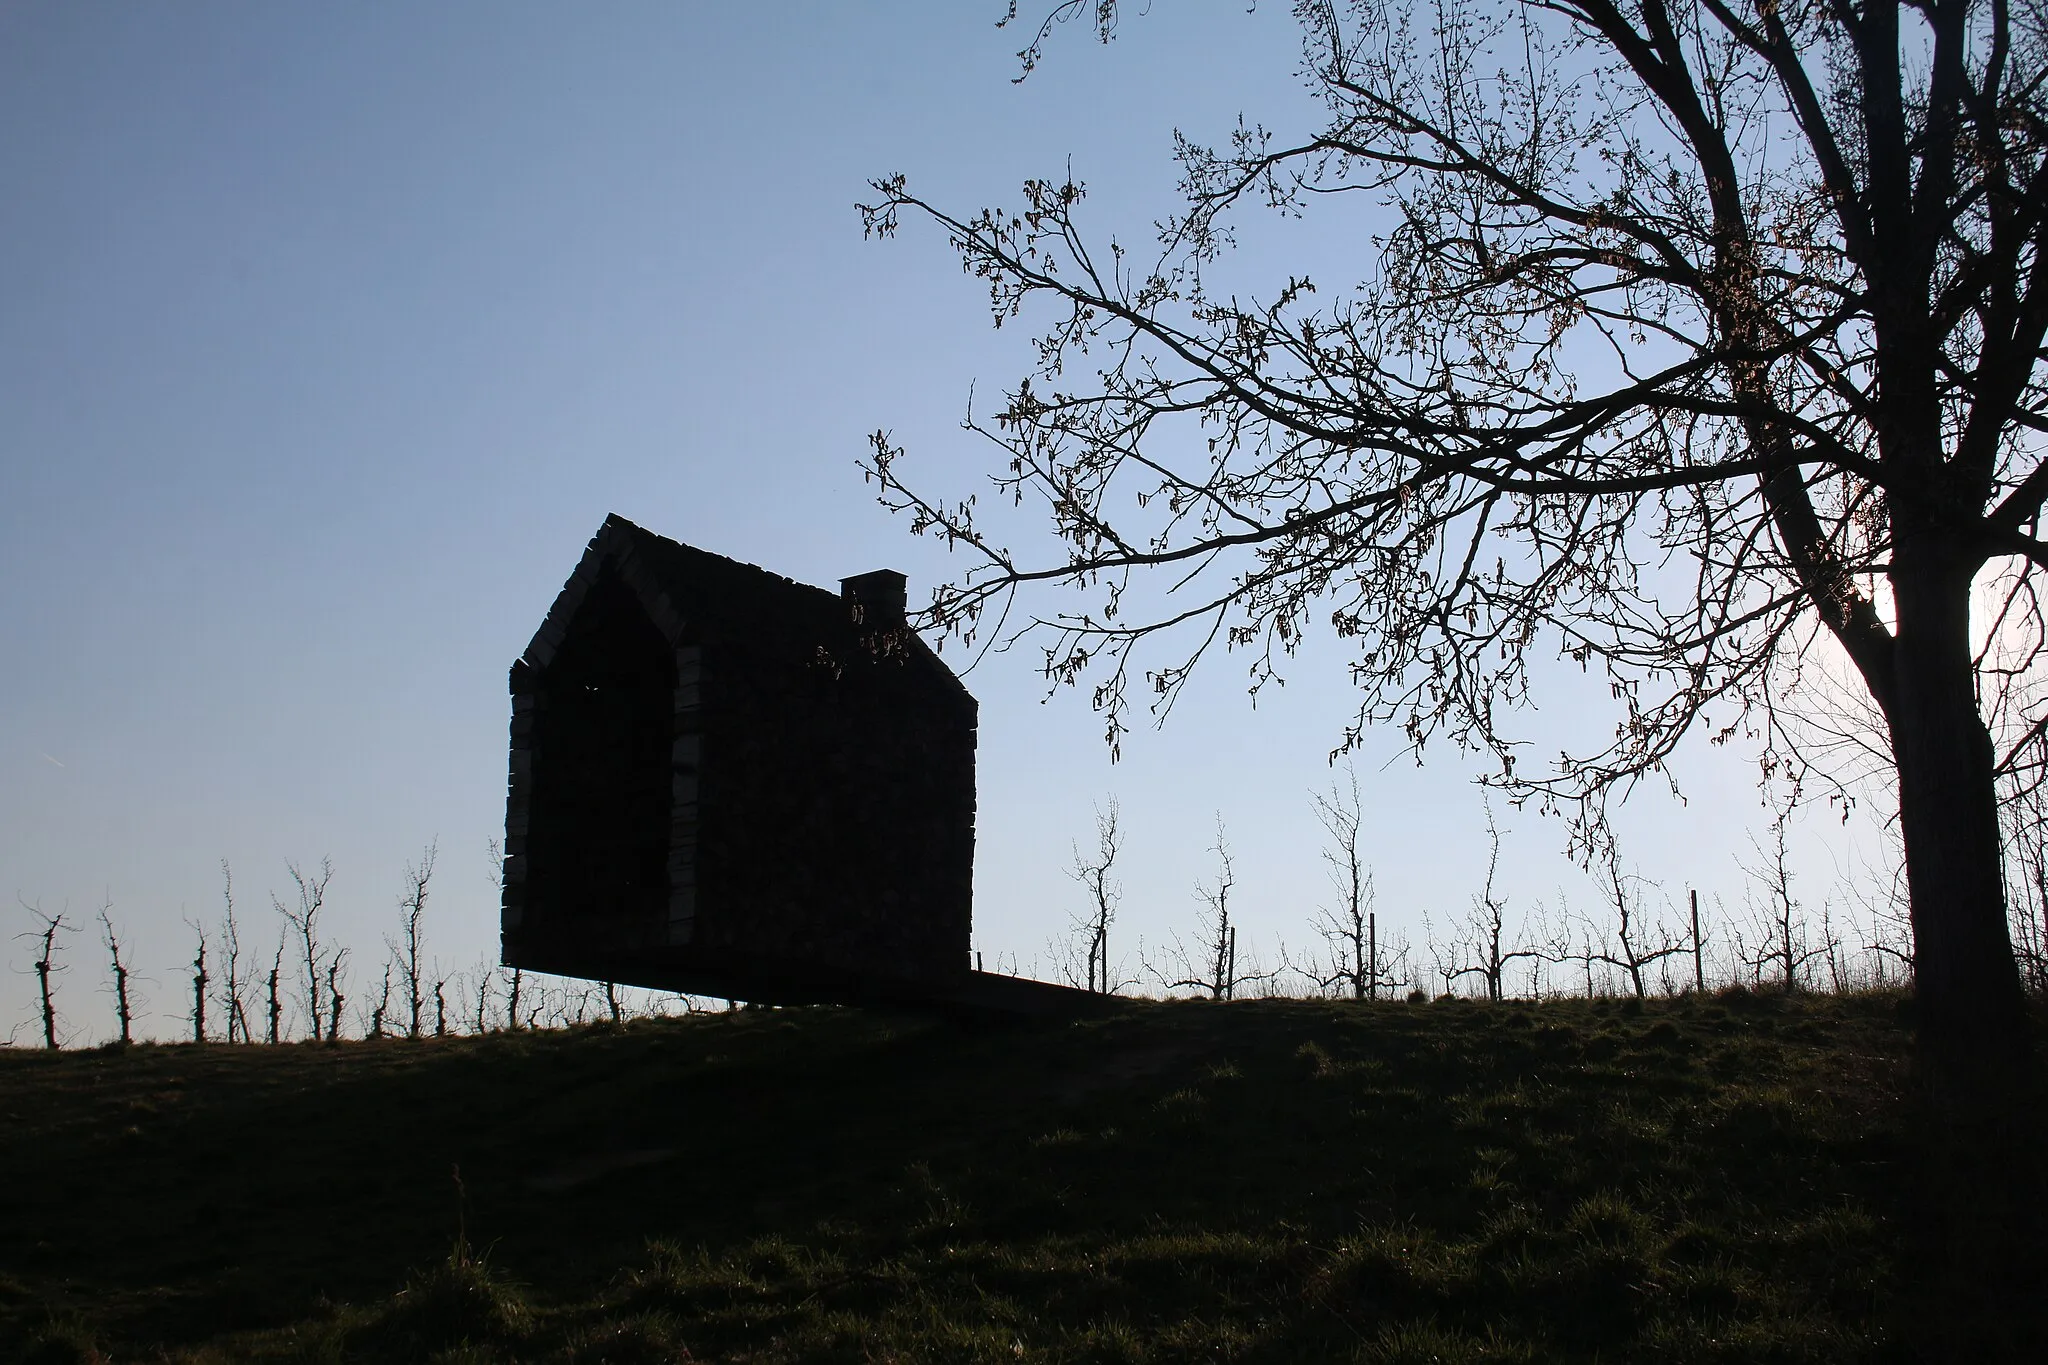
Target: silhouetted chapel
[(728, 783)]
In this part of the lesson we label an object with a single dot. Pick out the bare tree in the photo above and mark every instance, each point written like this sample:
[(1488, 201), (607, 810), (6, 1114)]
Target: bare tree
[(515, 978), (46, 966), (335, 962), (2026, 828), (1092, 870), (1213, 968), (200, 978), (441, 1007), (1630, 942), (1444, 958), (1363, 962), (2030, 918), (1806, 241), (1876, 889), (1831, 946), (518, 980), (275, 999), (124, 1014), (1349, 929), (380, 1011), (412, 910), (1779, 931), (482, 1018), (1485, 950), (304, 921), (234, 982)]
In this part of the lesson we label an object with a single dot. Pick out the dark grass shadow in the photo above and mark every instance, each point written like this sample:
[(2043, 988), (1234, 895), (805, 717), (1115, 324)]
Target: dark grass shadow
[(1722, 1179)]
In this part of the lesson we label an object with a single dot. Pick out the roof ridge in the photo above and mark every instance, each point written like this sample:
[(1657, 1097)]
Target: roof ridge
[(720, 563)]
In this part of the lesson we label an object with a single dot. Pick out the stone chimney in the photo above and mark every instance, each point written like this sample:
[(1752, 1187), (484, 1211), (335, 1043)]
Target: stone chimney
[(877, 599)]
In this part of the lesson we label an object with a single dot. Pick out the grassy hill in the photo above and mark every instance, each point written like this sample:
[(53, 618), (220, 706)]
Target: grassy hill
[(1724, 1179)]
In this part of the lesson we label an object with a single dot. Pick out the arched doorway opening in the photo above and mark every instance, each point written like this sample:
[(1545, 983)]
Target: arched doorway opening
[(597, 858)]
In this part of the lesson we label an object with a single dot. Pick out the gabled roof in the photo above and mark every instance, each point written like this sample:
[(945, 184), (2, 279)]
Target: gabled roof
[(740, 611)]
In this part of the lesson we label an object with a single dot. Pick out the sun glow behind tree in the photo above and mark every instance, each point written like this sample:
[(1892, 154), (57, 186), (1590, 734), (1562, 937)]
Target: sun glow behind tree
[(1809, 240)]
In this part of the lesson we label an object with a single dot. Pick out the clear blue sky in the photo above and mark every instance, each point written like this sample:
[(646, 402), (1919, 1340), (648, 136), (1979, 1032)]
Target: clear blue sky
[(331, 333)]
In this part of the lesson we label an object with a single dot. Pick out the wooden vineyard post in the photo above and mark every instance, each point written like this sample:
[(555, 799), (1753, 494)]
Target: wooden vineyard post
[(1699, 965)]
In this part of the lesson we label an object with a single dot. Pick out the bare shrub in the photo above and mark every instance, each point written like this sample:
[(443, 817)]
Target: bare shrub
[(124, 1014), (303, 920), (1354, 962)]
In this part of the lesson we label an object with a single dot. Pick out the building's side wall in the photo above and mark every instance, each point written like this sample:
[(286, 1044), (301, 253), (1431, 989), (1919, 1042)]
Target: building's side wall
[(837, 814), (686, 783)]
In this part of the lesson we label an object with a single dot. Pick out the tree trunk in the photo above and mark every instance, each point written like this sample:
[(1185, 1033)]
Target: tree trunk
[(1971, 1010)]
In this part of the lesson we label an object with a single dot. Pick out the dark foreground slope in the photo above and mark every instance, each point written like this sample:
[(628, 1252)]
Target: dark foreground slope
[(1726, 1179)]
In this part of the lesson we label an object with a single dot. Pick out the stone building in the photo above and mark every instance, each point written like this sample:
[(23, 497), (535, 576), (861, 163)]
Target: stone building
[(728, 783)]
